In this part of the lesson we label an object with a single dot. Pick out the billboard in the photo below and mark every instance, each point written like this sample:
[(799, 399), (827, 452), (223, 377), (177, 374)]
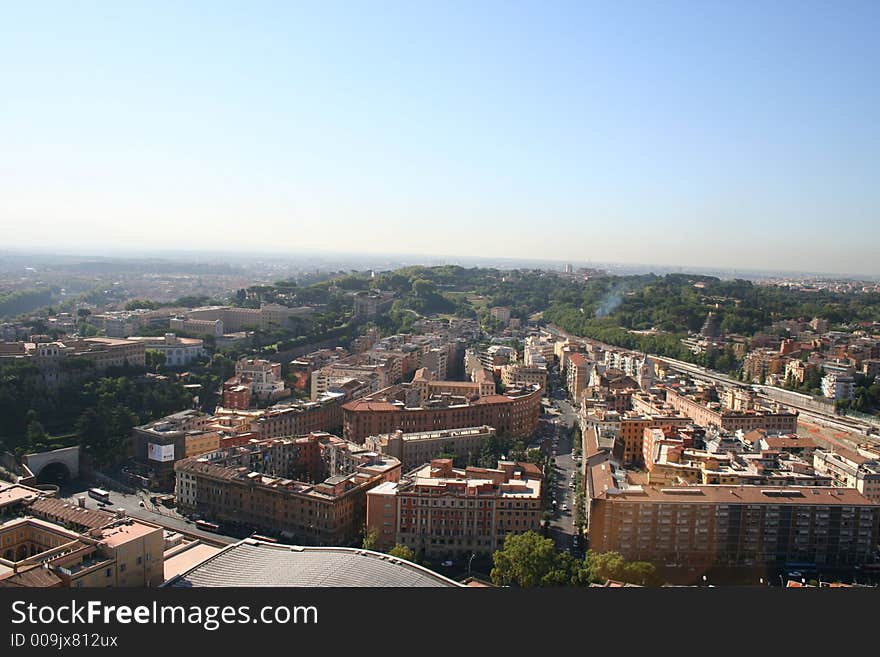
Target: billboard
[(160, 453)]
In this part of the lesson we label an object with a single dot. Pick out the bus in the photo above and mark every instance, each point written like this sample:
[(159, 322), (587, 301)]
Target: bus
[(265, 539), (208, 526), (100, 494)]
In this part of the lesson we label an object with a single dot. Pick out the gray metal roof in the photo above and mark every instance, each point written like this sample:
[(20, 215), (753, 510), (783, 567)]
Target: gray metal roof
[(252, 563)]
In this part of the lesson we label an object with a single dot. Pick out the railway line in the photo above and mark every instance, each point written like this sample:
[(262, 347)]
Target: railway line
[(867, 431)]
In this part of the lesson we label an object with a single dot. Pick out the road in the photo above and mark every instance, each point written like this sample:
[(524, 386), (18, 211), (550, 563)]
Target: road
[(159, 515), (562, 528)]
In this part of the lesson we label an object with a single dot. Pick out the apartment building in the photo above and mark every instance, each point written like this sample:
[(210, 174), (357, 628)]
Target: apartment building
[(712, 414), (516, 375), (236, 395), (263, 377), (311, 489), (374, 376), (426, 384), (501, 313), (796, 370), (626, 361), (515, 413), (415, 449), (160, 443), (494, 356), (671, 458), (629, 429), (577, 374), (255, 379), (850, 470), (439, 510), (300, 418), (838, 385), (707, 526), (538, 351), (760, 364)]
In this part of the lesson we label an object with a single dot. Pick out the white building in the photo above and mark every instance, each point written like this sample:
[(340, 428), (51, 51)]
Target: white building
[(178, 351), (836, 385), (264, 377)]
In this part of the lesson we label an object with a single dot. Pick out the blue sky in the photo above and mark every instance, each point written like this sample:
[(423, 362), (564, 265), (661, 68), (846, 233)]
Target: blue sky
[(741, 134)]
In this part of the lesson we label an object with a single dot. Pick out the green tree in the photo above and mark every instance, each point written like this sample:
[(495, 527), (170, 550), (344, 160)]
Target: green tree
[(490, 452), (534, 455), (518, 451), (36, 433), (642, 573), (92, 433), (423, 287), (371, 536), (402, 552), (154, 360), (603, 566), (526, 560), (141, 304)]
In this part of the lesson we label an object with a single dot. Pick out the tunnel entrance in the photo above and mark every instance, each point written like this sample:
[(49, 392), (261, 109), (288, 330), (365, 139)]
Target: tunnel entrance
[(54, 473)]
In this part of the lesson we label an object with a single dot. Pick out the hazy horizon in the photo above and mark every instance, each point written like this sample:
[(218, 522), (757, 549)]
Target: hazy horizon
[(694, 135), (370, 260)]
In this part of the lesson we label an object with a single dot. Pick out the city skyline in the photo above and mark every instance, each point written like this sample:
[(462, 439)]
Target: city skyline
[(687, 135), (332, 261)]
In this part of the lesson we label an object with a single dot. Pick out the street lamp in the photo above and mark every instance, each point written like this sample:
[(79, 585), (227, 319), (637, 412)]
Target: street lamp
[(473, 554)]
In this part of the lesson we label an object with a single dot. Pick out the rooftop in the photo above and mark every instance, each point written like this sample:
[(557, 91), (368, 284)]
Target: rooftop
[(16, 494), (36, 577), (721, 494), (183, 560), (70, 513), (252, 563), (126, 531)]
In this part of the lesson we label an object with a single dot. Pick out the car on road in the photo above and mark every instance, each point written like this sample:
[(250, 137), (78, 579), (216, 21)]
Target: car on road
[(565, 507), (447, 564)]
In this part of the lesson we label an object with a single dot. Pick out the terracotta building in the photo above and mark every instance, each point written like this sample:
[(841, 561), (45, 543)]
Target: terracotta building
[(714, 415), (514, 413), (720, 525), (311, 489), (438, 510)]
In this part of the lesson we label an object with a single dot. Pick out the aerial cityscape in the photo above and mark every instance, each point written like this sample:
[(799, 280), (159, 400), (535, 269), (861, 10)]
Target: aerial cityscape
[(164, 423), (568, 296)]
